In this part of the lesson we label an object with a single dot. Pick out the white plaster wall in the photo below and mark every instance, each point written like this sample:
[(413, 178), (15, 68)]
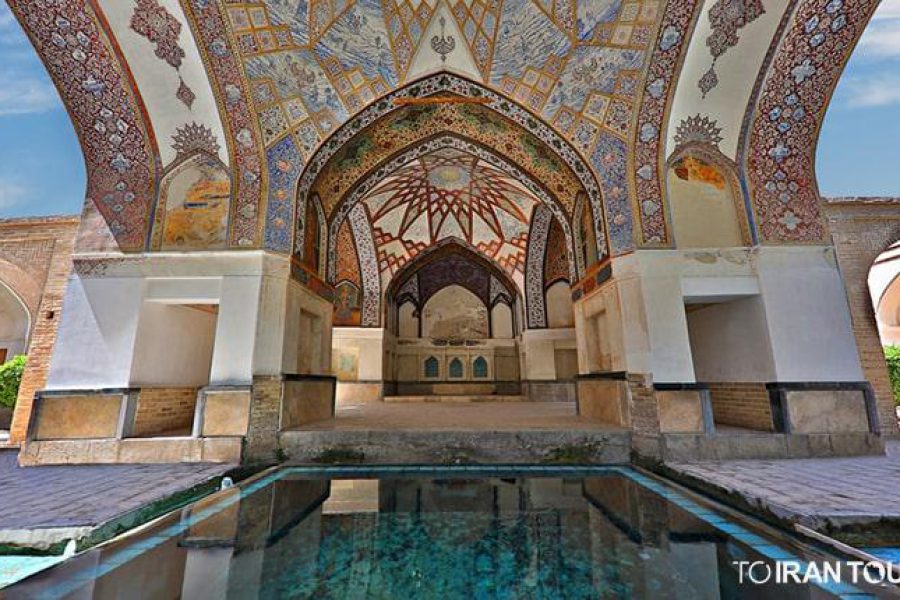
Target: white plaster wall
[(235, 333), (308, 335), (800, 290), (736, 70), (96, 340), (158, 81), (884, 288), (559, 306), (539, 347), (661, 296), (408, 323), (730, 341), (502, 322), (370, 344), (173, 346), (600, 329), (808, 316), (96, 333), (884, 273)]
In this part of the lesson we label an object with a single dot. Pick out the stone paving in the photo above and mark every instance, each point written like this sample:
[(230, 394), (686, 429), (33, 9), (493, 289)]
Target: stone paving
[(813, 491), (87, 495)]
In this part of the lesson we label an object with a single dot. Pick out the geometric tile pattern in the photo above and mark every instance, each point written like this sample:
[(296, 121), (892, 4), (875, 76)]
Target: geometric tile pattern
[(662, 75), (535, 308), (527, 191), (556, 259), (289, 75), (450, 193), (105, 110), (792, 102), (245, 147), (371, 281), (578, 65)]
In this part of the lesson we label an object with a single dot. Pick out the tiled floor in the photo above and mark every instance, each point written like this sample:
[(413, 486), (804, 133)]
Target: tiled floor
[(77, 496), (811, 491), (478, 416)]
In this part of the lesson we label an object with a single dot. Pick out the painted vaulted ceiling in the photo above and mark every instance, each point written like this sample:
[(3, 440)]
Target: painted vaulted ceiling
[(257, 87), (450, 194)]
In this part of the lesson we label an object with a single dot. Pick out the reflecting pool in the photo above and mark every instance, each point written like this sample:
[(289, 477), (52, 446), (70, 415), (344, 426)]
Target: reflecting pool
[(465, 532)]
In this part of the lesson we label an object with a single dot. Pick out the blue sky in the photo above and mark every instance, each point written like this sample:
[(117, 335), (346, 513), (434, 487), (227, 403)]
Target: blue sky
[(42, 170), (858, 151), (41, 167)]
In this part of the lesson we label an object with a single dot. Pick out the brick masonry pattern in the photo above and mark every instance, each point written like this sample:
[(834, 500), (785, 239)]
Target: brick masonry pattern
[(37, 255), (741, 405), (862, 229)]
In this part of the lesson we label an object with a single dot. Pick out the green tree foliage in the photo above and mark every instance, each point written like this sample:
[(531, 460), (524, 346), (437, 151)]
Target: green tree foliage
[(10, 378), (892, 355)]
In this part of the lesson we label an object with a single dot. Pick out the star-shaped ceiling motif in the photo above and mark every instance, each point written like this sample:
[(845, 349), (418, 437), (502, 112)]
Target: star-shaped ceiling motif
[(450, 193)]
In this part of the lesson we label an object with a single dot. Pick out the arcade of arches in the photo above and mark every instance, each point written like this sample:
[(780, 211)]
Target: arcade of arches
[(300, 210)]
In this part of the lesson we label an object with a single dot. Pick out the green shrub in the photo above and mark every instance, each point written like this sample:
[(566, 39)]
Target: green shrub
[(10, 378), (892, 355)]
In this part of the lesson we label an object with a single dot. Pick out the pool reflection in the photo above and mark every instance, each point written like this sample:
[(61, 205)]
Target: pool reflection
[(605, 536)]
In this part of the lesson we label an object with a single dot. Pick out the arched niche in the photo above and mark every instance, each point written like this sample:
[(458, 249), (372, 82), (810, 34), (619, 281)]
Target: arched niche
[(560, 313), (455, 368), (315, 224), (502, 325), (480, 368), (448, 264), (15, 324), (431, 368), (548, 255), (408, 320), (705, 202), (194, 199), (584, 230), (490, 116), (347, 303)]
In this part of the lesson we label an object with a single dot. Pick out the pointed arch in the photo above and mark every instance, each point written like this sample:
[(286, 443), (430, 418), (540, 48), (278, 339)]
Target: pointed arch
[(538, 144)]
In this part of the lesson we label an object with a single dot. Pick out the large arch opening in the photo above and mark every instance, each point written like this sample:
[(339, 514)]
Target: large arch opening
[(15, 324), (452, 236), (883, 283)]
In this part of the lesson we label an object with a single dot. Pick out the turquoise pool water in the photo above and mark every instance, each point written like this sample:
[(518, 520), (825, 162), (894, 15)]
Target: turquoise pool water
[(466, 532)]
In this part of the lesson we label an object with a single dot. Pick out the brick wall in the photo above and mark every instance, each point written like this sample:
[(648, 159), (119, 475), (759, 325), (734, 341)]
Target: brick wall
[(863, 228), (35, 261), (644, 416), (161, 410), (741, 405), (265, 415)]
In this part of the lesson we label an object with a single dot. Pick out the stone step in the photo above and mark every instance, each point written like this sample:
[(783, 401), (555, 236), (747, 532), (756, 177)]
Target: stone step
[(430, 446), (455, 398)]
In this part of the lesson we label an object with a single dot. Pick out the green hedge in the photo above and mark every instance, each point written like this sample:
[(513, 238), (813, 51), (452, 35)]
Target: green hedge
[(10, 378), (892, 354)]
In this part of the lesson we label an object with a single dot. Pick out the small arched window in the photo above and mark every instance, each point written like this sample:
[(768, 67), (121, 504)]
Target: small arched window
[(480, 368), (431, 368), (456, 368)]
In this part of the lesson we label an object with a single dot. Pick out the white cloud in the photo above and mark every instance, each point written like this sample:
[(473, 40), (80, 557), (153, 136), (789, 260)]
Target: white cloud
[(881, 39), (888, 9), (25, 87), (24, 94), (873, 90), (11, 193)]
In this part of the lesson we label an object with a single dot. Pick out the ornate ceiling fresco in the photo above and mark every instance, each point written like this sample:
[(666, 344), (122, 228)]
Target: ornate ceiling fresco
[(261, 87), (450, 194)]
